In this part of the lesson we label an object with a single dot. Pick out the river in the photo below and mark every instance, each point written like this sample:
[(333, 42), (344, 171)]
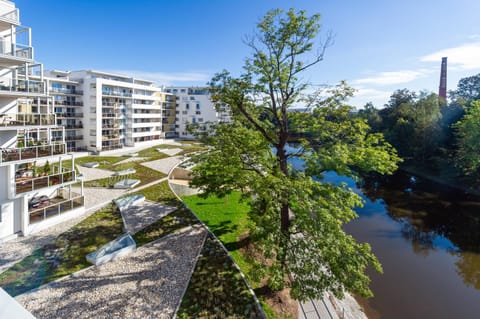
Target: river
[(427, 237)]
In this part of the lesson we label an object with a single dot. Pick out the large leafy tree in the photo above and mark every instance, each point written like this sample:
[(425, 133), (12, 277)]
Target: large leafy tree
[(297, 217), (468, 141)]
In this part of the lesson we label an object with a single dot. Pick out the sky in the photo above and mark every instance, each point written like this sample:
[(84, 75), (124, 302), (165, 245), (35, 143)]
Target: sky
[(379, 46)]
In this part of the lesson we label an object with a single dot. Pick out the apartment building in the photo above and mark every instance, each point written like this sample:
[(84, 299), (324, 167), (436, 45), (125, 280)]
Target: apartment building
[(36, 173), (193, 105)]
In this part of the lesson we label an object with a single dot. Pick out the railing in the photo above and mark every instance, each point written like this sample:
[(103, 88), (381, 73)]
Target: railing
[(70, 115), (24, 119), (117, 93), (15, 49), (70, 126), (111, 147), (74, 138), (66, 103), (18, 154), (65, 91), (31, 184), (16, 85), (11, 15), (60, 207)]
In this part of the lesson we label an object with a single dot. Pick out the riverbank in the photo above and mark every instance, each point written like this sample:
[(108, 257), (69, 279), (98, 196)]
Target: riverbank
[(447, 181)]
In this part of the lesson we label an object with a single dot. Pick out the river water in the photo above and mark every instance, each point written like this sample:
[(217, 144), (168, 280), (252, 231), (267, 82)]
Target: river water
[(427, 237)]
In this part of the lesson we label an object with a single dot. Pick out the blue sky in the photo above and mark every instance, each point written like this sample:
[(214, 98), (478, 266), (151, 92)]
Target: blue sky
[(380, 46)]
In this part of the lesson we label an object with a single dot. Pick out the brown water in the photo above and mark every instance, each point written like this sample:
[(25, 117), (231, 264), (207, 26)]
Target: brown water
[(427, 238)]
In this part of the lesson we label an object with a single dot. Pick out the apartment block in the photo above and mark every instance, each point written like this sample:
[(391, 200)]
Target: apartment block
[(36, 173), (193, 105)]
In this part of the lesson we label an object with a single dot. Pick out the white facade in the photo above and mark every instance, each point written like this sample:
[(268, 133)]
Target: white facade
[(34, 193), (193, 105)]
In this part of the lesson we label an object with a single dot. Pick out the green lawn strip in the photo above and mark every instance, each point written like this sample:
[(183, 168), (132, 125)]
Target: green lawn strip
[(171, 223), (104, 162), (227, 219), (160, 193), (152, 154), (66, 254), (216, 288), (144, 174)]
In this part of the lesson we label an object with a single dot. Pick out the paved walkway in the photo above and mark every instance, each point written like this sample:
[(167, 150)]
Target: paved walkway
[(164, 165), (317, 309), (140, 216)]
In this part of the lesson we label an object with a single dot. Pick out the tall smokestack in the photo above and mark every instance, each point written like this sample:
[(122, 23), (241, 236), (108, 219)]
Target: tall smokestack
[(442, 90)]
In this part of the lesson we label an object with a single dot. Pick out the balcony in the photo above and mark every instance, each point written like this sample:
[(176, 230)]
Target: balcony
[(8, 155), (73, 126), (65, 91), (27, 119), (74, 115), (65, 103), (29, 184), (15, 52), (51, 207), (10, 17), (74, 138), (17, 87)]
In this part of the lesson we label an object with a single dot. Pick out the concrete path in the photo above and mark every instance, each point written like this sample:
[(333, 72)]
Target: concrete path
[(90, 174), (317, 309), (170, 151), (140, 216), (164, 165)]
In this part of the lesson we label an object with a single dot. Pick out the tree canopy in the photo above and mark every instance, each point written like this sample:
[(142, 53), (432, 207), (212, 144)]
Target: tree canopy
[(297, 217)]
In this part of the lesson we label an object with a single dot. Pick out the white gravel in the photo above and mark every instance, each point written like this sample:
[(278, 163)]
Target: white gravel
[(90, 174), (164, 165), (148, 283)]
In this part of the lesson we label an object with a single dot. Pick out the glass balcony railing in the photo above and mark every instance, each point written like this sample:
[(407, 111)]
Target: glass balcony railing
[(18, 154), (16, 50), (51, 207), (28, 184), (19, 86), (26, 119)]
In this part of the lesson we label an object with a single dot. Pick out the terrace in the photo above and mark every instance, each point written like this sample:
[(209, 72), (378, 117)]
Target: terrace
[(64, 202), (18, 154), (21, 86), (27, 119), (25, 183)]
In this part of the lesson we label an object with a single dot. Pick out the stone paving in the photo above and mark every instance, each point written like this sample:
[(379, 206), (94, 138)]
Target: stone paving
[(140, 216), (170, 151), (148, 283), (164, 165)]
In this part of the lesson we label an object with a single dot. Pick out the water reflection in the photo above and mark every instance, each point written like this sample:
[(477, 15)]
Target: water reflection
[(429, 213)]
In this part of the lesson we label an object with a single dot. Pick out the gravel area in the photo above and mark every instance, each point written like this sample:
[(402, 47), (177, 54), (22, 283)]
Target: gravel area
[(164, 165), (149, 283), (170, 151), (140, 216)]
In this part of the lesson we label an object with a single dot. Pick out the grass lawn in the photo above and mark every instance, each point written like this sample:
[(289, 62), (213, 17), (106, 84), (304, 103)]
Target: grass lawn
[(160, 193), (227, 219), (105, 161), (144, 174), (66, 254)]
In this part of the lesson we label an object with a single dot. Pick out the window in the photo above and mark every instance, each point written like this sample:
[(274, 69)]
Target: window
[(198, 106), (184, 112), (198, 112), (200, 119), (192, 98), (187, 106), (182, 91)]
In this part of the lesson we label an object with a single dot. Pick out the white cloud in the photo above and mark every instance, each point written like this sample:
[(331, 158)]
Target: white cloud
[(391, 78), (200, 78), (463, 57), (474, 36)]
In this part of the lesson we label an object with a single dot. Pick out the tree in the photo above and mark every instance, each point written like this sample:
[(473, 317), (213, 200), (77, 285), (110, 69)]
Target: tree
[(468, 141), (468, 89), (297, 218)]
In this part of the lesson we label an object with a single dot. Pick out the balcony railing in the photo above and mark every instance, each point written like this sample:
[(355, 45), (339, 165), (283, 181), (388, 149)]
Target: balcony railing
[(16, 50), (63, 115), (73, 126), (25, 185), (26, 119), (19, 86), (11, 16), (56, 206), (18, 154), (74, 138), (66, 103), (65, 91)]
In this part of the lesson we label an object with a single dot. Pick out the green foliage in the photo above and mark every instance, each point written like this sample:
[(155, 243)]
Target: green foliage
[(468, 139), (216, 288), (297, 219), (468, 89), (160, 192)]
